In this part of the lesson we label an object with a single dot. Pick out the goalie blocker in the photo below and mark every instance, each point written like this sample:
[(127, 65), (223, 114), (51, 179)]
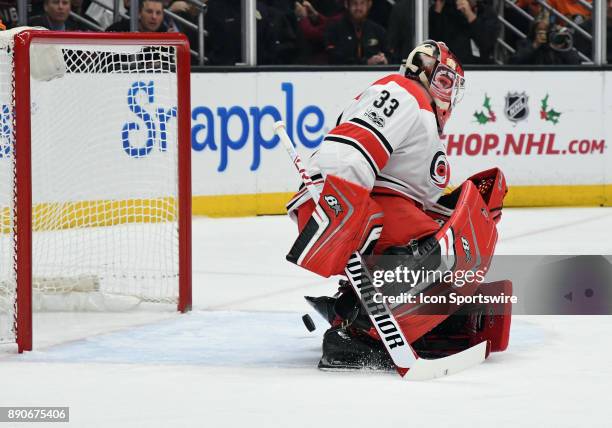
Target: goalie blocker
[(345, 219)]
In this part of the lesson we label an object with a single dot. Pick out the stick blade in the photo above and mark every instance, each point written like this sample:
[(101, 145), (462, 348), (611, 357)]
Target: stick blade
[(424, 369)]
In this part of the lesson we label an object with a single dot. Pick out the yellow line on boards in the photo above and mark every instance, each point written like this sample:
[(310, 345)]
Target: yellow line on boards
[(518, 196), (68, 215)]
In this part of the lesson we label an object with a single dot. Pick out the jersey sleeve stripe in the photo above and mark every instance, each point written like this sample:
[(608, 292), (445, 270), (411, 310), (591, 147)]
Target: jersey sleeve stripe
[(355, 145), (381, 177), (374, 131), (313, 178), (293, 201), (376, 150), (317, 180)]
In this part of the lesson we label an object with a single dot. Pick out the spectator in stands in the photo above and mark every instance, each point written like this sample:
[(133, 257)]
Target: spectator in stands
[(35, 8), (223, 24), (313, 18), (280, 35), (355, 39), (532, 7), (150, 18), (400, 32), (572, 9), (546, 45), (224, 27), (380, 11), (77, 6), (8, 13), (468, 27), (104, 15), (80, 7), (586, 46), (189, 12), (518, 19), (171, 25), (56, 17)]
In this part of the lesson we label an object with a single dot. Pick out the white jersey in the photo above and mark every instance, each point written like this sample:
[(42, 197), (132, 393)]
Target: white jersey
[(386, 141)]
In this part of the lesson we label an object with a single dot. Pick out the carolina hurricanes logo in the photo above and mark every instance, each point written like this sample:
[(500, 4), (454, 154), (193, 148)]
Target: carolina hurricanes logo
[(439, 171)]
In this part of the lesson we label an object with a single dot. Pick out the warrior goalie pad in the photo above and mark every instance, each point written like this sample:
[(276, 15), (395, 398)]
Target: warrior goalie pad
[(345, 219), (462, 250), (473, 323)]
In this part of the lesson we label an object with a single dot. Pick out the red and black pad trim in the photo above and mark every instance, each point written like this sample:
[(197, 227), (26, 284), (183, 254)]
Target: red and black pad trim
[(310, 232)]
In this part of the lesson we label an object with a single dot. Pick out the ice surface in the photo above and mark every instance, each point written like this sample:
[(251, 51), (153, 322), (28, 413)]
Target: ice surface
[(243, 358)]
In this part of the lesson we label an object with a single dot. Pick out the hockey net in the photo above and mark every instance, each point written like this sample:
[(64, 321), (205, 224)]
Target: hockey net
[(106, 120)]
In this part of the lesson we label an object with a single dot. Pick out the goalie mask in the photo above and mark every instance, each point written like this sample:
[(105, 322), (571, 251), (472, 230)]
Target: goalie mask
[(439, 70)]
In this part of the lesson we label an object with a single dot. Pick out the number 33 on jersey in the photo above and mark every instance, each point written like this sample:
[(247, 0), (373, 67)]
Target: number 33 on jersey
[(387, 140)]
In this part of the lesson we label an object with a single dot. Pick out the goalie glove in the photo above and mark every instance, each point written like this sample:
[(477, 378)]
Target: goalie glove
[(492, 187), (344, 220)]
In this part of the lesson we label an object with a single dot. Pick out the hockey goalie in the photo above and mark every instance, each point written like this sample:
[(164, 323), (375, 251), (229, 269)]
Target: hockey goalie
[(381, 173)]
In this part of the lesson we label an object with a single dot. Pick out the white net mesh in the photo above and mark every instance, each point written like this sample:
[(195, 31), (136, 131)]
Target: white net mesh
[(7, 273), (104, 177)]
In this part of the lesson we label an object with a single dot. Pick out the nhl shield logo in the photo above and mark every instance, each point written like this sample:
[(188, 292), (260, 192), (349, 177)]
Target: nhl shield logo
[(517, 107)]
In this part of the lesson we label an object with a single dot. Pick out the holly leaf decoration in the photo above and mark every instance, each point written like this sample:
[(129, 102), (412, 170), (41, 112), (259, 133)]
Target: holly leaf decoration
[(553, 116), (487, 102), (481, 118), (549, 115), (487, 115)]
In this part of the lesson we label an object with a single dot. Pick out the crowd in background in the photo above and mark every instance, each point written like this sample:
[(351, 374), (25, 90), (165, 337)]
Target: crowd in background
[(350, 32)]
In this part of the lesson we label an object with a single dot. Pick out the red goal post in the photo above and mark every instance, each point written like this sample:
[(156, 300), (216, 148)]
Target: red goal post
[(100, 221)]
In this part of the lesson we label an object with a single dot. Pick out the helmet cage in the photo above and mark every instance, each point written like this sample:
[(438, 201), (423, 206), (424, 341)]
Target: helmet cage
[(446, 86), (441, 74)]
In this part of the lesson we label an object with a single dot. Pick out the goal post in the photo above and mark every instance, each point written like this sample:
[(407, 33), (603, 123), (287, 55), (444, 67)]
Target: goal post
[(95, 138)]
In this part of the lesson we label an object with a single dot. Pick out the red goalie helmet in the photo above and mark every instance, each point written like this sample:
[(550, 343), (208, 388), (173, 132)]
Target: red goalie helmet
[(439, 70)]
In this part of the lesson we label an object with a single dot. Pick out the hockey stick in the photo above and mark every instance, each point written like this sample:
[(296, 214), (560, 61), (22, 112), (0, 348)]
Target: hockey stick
[(406, 360)]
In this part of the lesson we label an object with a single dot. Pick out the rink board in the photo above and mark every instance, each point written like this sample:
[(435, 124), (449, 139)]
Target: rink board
[(546, 130)]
